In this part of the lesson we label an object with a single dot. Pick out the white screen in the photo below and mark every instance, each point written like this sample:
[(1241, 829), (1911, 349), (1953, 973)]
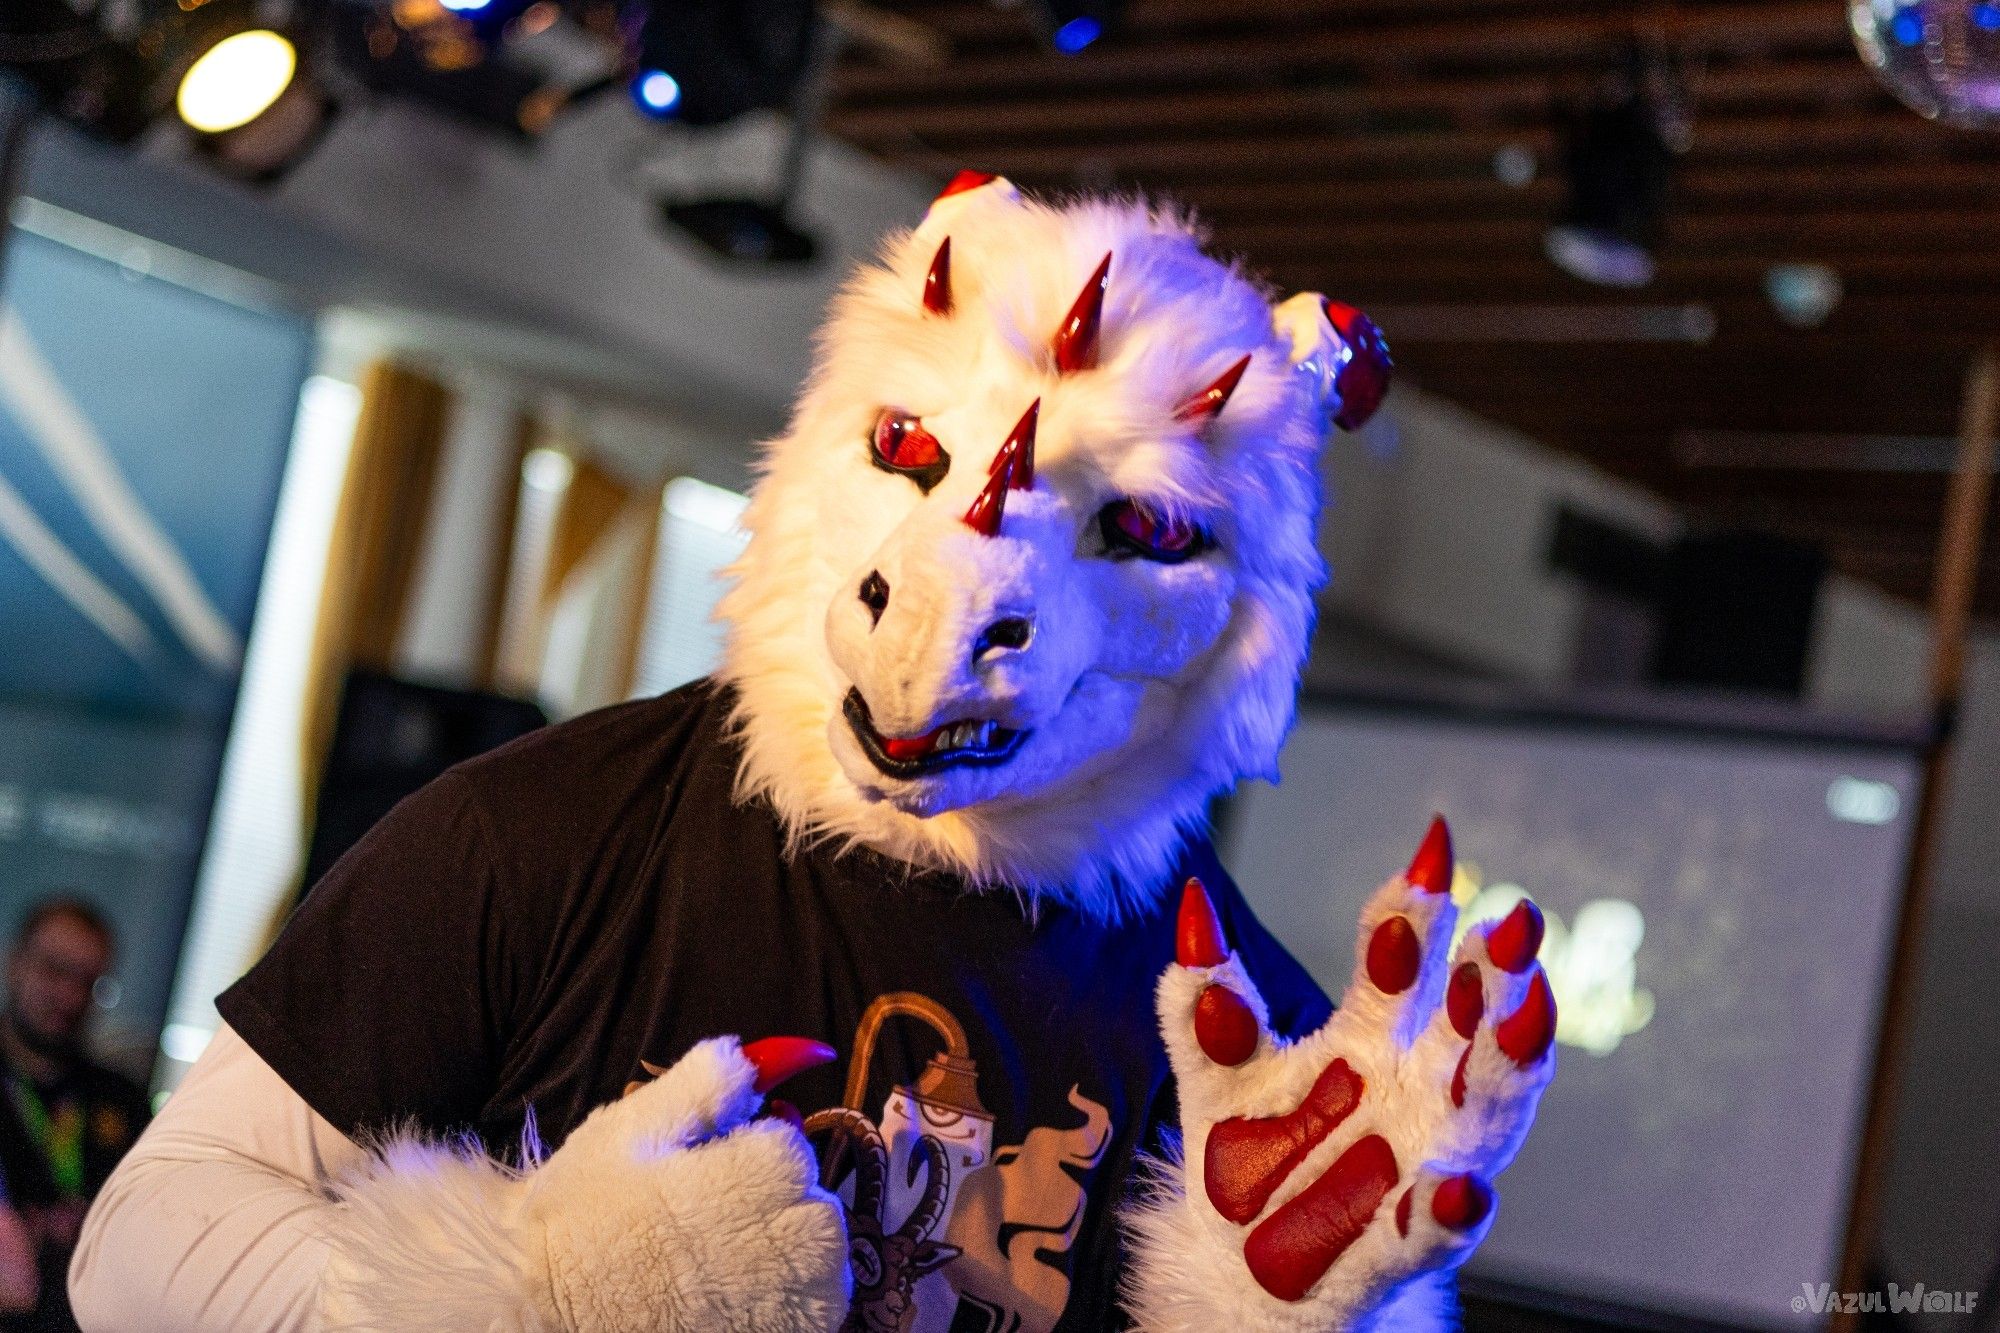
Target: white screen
[(1694, 1154)]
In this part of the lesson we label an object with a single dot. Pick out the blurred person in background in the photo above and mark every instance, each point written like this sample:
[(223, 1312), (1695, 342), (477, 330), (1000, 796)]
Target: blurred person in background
[(65, 1120)]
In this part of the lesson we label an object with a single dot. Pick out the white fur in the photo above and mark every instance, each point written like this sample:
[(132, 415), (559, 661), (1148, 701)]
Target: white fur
[(670, 1211), (1148, 688), (1188, 1271)]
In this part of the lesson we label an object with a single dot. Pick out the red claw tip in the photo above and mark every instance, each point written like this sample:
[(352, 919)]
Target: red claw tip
[(1461, 1202), (1513, 943), (1526, 1034), (966, 180), (937, 282), (1224, 1026), (1403, 1213), (1208, 404), (779, 1058), (1458, 1078), (778, 1109), (1431, 868), (1075, 342), (1199, 941), (990, 505)]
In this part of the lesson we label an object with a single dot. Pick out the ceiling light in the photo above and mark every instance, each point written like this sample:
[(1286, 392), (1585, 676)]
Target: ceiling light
[(1619, 155), (236, 80)]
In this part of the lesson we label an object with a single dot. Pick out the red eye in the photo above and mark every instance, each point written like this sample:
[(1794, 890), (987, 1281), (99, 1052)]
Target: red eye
[(902, 443), (1130, 526)]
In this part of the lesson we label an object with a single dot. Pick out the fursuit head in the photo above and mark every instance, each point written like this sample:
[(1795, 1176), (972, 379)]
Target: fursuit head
[(1031, 575)]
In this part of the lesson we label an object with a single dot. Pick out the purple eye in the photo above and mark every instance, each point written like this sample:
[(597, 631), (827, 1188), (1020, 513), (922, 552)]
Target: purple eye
[(900, 444), (1130, 527)]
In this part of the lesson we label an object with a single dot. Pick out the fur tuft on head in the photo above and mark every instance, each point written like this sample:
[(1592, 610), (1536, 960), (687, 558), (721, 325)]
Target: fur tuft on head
[(1051, 707)]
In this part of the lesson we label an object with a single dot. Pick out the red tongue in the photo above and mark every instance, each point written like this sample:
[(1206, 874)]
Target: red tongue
[(911, 747)]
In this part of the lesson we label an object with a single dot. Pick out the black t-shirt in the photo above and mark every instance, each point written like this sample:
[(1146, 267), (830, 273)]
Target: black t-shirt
[(548, 924)]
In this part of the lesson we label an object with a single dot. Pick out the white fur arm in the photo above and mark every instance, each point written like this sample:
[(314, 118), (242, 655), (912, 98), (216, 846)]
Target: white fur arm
[(212, 1220), (669, 1211)]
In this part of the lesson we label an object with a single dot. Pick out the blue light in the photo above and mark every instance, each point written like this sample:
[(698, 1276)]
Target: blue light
[(1076, 34), (1986, 17), (465, 6), (1907, 28), (657, 92)]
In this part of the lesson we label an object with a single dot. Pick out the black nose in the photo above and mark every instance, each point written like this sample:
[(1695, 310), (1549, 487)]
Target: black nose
[(875, 595), (1006, 632)]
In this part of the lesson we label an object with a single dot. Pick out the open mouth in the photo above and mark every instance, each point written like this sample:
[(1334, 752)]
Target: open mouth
[(965, 744)]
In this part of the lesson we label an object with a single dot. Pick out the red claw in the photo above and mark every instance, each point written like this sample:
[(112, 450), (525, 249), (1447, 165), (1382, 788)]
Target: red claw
[(1462, 1202), (1393, 956), (1075, 343), (937, 282), (778, 1109), (779, 1058), (1403, 1213), (1224, 1026), (966, 180), (1526, 1034), (1431, 868), (1517, 939), (1465, 999), (1198, 939), (1458, 1078)]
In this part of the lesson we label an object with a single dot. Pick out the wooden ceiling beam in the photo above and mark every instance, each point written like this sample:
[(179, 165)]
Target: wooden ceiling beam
[(1268, 54), (1840, 82)]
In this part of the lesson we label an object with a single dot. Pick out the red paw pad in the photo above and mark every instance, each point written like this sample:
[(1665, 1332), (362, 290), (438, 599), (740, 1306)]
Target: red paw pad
[(1224, 1026), (1465, 1000), (1293, 1247), (1462, 1202), (1525, 1035), (1393, 956), (1517, 939), (1247, 1160)]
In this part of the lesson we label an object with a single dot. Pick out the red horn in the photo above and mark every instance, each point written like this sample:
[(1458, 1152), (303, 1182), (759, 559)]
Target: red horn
[(1076, 340), (1017, 456), (990, 505), (1208, 404), (937, 282)]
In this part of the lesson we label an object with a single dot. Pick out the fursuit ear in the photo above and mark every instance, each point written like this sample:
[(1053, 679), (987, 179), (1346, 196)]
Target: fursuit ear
[(1344, 353)]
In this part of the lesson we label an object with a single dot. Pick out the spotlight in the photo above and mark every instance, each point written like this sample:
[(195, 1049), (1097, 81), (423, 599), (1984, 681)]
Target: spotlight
[(1619, 153), (236, 80), (1076, 34), (706, 62), (465, 6), (1073, 25), (1804, 295), (657, 92)]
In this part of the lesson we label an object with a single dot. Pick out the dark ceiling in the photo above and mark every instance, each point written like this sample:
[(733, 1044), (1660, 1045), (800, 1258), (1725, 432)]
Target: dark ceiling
[(1349, 146)]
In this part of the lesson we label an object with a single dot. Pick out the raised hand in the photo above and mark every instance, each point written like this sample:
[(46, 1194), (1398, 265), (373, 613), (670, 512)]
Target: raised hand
[(676, 1209), (1326, 1178)]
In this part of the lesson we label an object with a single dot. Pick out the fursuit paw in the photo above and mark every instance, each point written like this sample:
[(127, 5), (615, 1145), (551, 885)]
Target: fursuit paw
[(1333, 1183), (676, 1209)]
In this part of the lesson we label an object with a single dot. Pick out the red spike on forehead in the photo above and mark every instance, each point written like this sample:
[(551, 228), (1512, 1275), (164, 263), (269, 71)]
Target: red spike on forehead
[(937, 282), (1017, 456), (966, 180), (1076, 338), (1208, 404), (990, 505)]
